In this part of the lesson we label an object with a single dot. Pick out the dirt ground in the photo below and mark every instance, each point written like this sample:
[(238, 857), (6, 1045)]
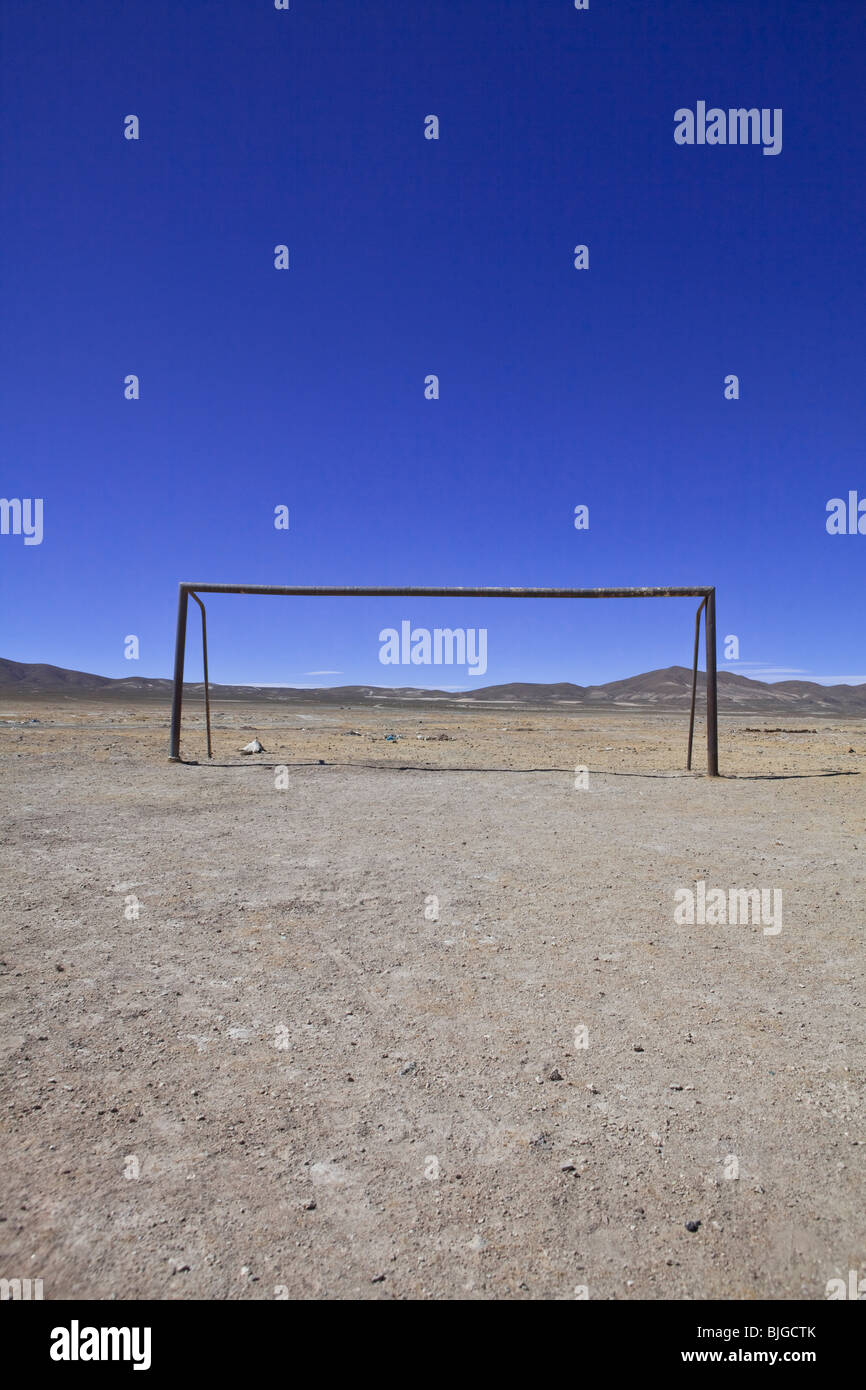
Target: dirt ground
[(417, 1020)]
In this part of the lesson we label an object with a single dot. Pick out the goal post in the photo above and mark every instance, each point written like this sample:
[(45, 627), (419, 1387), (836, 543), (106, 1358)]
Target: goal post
[(707, 595)]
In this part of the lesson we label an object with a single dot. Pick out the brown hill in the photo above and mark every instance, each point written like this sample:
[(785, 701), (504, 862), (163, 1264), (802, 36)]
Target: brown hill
[(669, 688)]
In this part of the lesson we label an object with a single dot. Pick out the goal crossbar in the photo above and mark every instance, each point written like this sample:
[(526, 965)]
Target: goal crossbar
[(707, 595)]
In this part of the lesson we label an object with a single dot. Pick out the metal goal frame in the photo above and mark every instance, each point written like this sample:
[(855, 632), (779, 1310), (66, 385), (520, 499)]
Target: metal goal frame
[(707, 595)]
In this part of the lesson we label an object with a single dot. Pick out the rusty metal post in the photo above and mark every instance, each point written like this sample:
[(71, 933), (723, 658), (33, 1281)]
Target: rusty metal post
[(308, 591), (177, 691), (701, 608), (204, 658), (712, 688)]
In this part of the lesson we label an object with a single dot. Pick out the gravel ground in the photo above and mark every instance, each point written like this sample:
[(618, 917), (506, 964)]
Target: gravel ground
[(421, 1023)]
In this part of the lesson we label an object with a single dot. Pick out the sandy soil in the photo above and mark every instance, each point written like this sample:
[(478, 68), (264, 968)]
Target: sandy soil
[(265, 1041)]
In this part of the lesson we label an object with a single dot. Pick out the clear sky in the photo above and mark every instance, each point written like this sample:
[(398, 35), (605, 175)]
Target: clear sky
[(410, 257)]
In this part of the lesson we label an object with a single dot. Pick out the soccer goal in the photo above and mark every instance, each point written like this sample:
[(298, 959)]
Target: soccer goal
[(707, 606)]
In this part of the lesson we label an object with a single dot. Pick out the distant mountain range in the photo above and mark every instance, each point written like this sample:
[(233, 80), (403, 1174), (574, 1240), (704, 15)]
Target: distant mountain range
[(669, 689)]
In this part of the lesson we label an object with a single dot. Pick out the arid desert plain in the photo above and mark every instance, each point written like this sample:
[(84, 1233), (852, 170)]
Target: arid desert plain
[(414, 1018)]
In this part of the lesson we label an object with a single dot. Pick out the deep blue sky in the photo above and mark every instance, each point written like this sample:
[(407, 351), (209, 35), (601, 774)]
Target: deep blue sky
[(409, 257)]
